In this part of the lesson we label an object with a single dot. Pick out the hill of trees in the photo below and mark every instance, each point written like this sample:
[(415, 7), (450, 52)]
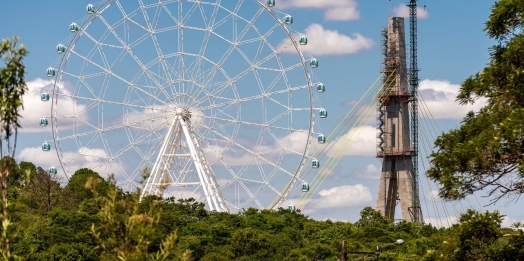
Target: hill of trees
[(90, 218)]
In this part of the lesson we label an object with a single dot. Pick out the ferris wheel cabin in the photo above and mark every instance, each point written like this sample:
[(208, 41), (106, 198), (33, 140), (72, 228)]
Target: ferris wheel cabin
[(313, 63), (291, 207), (305, 187), (323, 113), (46, 146), (90, 9), (270, 3), (321, 139), (51, 72), (315, 164), (73, 28), (43, 122), (303, 40), (53, 170), (44, 96), (60, 49), (288, 19), (321, 87)]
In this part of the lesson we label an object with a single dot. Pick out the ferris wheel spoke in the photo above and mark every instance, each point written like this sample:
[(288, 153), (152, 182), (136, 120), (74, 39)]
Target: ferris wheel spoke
[(260, 96), (162, 61), (117, 77), (127, 124), (245, 72), (137, 141), (132, 55), (249, 151), (248, 191), (255, 124), (232, 47), (203, 47)]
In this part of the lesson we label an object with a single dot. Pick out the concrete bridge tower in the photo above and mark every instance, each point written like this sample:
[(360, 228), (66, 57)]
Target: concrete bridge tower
[(397, 185)]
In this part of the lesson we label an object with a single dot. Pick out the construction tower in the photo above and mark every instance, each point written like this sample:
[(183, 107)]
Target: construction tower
[(398, 184)]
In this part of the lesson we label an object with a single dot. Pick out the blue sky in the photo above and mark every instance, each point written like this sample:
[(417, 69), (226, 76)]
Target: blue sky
[(451, 42)]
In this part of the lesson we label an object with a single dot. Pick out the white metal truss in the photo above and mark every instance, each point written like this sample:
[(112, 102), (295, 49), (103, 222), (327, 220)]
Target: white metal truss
[(235, 64), (181, 142)]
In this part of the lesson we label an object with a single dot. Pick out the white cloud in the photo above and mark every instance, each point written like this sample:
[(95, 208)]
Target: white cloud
[(339, 10), (35, 108), (507, 221), (343, 196), (402, 10), (439, 96), (360, 141), (330, 42), (371, 172), (441, 222), (83, 158)]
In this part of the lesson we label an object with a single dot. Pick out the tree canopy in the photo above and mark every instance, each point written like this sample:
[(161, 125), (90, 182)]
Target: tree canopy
[(487, 151)]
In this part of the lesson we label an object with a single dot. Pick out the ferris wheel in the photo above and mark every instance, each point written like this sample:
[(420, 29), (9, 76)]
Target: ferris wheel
[(214, 98)]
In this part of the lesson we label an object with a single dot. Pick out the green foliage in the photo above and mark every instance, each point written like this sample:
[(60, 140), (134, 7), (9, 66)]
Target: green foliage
[(12, 89), (123, 232), (76, 184), (486, 151)]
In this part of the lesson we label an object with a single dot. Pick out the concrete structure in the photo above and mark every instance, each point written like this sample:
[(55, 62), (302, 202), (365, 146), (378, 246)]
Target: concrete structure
[(393, 137)]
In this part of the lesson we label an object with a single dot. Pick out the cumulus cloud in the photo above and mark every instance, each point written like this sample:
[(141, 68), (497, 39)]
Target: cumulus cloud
[(402, 10), (82, 158), (339, 10), (330, 42), (35, 108), (441, 222), (371, 172), (360, 141), (439, 96), (508, 221), (342, 197)]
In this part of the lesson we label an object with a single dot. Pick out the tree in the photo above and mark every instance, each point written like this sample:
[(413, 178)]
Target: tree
[(487, 150), (125, 232), (76, 184), (12, 89)]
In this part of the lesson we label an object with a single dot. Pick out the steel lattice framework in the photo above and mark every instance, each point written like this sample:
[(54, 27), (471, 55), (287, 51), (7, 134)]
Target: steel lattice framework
[(215, 97), (413, 83)]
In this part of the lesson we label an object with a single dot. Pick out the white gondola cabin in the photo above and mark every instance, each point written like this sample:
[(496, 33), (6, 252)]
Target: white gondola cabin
[(90, 9), (313, 63), (315, 164), (321, 87), (53, 170), (44, 96), (321, 139), (51, 72), (305, 187), (270, 3), (323, 113), (303, 40), (288, 19), (43, 122), (291, 207), (60, 49), (73, 27), (46, 146)]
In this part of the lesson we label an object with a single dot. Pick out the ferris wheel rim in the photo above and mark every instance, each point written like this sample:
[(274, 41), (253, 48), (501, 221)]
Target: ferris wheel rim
[(65, 58)]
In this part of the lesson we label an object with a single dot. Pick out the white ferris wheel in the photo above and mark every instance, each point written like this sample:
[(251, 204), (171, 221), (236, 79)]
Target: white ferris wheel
[(216, 98)]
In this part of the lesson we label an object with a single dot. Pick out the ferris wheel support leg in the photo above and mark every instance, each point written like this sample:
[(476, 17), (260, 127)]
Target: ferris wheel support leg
[(156, 172), (210, 190), (211, 177)]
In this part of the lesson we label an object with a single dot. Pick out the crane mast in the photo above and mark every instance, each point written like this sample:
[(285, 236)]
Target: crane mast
[(413, 84)]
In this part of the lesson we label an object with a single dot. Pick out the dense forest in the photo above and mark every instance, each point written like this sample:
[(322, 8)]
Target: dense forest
[(89, 218)]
